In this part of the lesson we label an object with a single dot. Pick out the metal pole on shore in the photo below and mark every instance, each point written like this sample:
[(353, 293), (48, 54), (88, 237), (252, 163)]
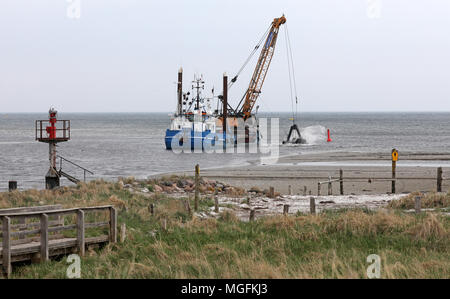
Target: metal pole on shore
[(312, 205), (12, 185), (225, 109), (394, 167), (439, 179), (197, 187), (330, 186)]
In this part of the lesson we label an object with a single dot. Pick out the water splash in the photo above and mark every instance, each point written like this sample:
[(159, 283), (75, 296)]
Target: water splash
[(314, 134)]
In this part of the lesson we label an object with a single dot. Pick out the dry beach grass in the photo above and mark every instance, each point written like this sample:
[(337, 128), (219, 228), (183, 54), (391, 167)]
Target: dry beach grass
[(175, 244)]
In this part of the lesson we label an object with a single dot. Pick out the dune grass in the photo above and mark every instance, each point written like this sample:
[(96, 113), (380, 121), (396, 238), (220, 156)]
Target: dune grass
[(428, 201), (329, 245)]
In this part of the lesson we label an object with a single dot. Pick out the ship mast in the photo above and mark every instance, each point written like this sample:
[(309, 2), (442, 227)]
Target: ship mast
[(199, 84)]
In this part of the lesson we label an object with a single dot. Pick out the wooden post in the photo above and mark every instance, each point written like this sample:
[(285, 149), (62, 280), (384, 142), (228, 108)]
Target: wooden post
[(304, 190), (271, 192), (290, 190), (12, 185), (151, 209), (330, 186), (80, 233), (318, 189), (197, 186), (285, 209), (341, 181), (216, 204), (394, 166), (252, 215), (44, 238), (123, 232), (6, 246), (164, 223), (188, 206), (439, 179), (417, 204), (312, 205), (113, 225)]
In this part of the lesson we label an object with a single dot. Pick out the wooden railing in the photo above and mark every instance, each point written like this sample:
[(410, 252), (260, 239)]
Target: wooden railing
[(17, 227)]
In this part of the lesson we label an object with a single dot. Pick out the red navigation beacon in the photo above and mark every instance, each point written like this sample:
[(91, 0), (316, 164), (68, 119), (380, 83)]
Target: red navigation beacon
[(52, 131)]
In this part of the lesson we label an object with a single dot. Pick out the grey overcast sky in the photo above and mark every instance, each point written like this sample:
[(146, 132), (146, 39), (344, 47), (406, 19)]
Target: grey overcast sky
[(123, 55)]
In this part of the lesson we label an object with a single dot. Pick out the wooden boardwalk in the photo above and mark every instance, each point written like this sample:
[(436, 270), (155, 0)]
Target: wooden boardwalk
[(36, 233)]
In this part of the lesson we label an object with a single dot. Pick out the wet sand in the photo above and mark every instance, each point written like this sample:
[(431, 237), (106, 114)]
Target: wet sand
[(364, 173)]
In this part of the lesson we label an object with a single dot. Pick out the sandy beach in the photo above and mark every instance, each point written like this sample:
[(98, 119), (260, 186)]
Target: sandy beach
[(364, 173)]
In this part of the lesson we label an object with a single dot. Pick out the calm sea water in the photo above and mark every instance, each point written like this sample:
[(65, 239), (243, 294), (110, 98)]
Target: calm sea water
[(132, 144)]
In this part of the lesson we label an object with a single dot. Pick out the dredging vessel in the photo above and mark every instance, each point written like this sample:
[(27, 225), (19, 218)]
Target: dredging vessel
[(196, 125)]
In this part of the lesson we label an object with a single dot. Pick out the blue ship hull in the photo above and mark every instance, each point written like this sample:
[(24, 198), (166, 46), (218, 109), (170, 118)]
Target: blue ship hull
[(180, 139)]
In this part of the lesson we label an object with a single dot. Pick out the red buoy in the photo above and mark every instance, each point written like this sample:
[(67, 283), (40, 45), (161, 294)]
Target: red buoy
[(329, 138)]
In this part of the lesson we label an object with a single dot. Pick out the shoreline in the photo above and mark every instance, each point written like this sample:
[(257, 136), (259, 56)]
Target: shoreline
[(361, 174)]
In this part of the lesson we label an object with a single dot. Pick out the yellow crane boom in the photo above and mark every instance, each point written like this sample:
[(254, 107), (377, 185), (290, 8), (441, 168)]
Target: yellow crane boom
[(262, 66)]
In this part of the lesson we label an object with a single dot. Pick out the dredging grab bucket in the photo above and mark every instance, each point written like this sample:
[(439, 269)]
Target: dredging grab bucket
[(294, 136)]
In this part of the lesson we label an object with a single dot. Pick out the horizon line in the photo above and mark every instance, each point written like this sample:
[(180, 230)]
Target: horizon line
[(310, 111)]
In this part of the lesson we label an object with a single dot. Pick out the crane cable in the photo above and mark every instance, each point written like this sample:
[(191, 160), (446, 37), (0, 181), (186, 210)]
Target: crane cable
[(292, 81), (249, 57)]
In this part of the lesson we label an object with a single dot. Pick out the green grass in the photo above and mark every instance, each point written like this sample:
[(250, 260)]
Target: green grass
[(329, 245)]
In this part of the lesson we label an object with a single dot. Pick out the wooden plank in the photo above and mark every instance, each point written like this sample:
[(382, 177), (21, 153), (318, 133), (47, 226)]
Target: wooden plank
[(97, 240), (24, 252), (28, 226), (44, 237), (34, 224), (113, 225), (96, 224), (58, 212), (22, 241), (4, 212), (6, 247), (80, 232), (25, 233), (36, 239), (62, 228), (89, 209)]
